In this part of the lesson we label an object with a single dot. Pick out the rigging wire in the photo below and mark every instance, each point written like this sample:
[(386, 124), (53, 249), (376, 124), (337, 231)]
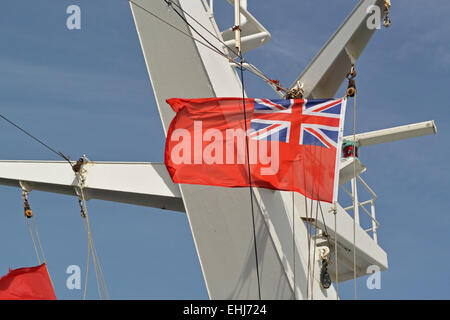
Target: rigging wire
[(336, 253), (241, 67), (315, 193), (324, 224), (213, 48), (250, 180), (274, 84), (311, 261), (32, 227), (58, 153), (293, 242), (294, 246), (209, 45), (316, 187), (351, 92), (314, 251), (309, 230), (87, 272), (334, 210), (170, 2), (29, 214), (354, 195)]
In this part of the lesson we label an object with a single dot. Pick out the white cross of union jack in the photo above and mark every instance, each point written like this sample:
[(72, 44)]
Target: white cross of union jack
[(313, 122)]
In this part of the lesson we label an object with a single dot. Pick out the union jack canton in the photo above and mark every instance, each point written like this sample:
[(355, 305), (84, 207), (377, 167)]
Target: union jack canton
[(306, 122)]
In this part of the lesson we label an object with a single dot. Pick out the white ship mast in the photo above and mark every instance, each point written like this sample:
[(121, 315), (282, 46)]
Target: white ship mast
[(180, 65)]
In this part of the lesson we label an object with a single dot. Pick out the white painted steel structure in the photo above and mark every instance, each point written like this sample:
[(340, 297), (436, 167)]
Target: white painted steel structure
[(220, 218), (393, 134)]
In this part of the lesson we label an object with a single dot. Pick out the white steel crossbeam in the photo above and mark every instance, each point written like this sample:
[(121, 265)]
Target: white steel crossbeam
[(394, 134), (326, 72), (139, 183)]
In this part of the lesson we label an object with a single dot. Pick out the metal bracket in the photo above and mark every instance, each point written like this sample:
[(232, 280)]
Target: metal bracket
[(80, 172), (26, 187)]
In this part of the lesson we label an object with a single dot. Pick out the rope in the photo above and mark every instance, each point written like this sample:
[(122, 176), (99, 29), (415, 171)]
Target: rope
[(336, 253), (95, 260), (34, 242), (308, 239), (90, 250), (314, 193), (335, 242), (351, 91), (39, 239), (99, 274), (316, 189), (309, 229), (91, 245), (32, 228), (354, 200), (325, 225), (59, 154), (293, 242), (250, 179), (314, 252), (87, 271)]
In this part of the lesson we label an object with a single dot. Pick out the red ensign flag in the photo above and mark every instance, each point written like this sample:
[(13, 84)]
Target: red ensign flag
[(27, 284), (290, 145)]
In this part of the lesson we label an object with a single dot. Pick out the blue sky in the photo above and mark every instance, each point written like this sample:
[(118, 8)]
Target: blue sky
[(87, 92)]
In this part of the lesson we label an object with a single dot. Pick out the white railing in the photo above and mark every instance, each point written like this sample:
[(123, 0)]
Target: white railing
[(354, 196)]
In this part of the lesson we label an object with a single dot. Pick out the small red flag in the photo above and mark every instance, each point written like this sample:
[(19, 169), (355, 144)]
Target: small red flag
[(292, 144), (27, 284)]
